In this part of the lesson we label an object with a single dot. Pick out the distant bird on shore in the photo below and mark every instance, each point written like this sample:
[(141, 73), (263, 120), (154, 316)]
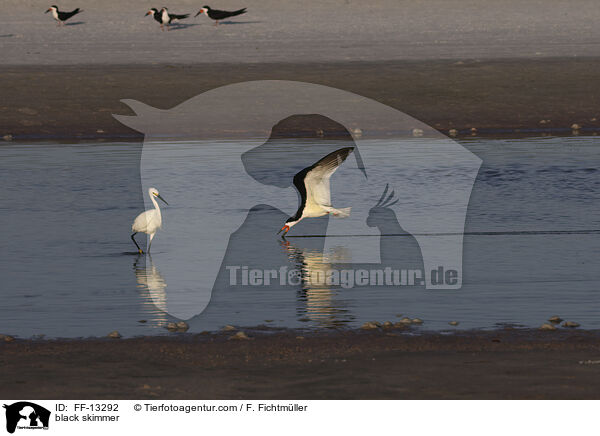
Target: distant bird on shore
[(61, 17), (156, 15), (217, 15), (315, 192), (149, 221), (165, 18)]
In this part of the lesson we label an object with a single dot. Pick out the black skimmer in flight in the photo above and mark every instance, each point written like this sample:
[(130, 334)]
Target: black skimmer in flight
[(165, 18), (61, 17), (315, 194), (217, 15)]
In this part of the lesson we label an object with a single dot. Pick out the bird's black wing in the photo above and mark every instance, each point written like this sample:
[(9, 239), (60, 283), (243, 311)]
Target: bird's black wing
[(330, 163), (178, 17), (238, 12), (64, 16), (216, 14), (301, 188), (325, 167)]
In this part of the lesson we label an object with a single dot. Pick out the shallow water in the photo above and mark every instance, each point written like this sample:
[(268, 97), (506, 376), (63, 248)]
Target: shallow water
[(68, 266)]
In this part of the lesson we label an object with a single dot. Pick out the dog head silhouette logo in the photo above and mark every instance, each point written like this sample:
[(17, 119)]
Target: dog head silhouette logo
[(26, 415)]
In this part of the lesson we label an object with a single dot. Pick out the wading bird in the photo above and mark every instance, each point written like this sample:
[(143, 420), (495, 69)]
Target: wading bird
[(61, 17), (217, 15), (149, 221), (315, 192)]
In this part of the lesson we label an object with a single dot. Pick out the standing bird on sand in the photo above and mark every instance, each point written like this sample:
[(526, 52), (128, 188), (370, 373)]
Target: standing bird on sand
[(165, 18), (217, 15), (149, 221), (315, 192), (61, 17), (156, 15)]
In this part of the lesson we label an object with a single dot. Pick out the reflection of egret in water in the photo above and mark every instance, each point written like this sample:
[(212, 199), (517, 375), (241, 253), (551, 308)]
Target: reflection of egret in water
[(153, 291), (319, 297)]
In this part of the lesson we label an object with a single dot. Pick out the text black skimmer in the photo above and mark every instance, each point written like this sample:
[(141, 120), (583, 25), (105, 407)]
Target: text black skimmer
[(61, 17), (315, 193), (217, 15), (165, 18)]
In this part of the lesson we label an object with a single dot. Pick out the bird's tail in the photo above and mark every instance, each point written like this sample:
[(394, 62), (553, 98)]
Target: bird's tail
[(341, 213), (238, 12), (72, 13), (180, 17)]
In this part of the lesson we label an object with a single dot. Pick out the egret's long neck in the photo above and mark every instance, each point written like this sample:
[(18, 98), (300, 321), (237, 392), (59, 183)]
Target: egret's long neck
[(155, 203)]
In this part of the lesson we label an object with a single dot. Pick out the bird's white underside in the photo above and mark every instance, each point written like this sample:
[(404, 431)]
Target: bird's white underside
[(318, 193)]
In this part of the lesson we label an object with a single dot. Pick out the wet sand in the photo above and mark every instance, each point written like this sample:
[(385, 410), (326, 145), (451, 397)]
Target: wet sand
[(517, 97), (503, 364), (508, 66)]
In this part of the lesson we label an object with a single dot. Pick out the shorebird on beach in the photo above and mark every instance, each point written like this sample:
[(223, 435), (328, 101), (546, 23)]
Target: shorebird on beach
[(149, 221), (165, 18), (61, 17), (156, 15), (315, 192), (217, 15)]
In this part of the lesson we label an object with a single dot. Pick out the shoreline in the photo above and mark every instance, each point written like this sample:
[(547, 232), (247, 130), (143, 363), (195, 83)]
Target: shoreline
[(354, 364), (331, 30), (496, 97)]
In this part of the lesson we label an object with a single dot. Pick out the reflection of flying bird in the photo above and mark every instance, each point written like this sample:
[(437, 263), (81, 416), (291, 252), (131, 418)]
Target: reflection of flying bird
[(217, 15), (149, 221), (320, 302), (61, 17), (315, 192)]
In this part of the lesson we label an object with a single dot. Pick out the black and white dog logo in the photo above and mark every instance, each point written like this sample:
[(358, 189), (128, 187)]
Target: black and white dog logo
[(26, 415)]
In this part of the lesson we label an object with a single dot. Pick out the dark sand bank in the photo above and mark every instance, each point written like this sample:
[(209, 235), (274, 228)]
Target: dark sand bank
[(505, 364), (498, 96)]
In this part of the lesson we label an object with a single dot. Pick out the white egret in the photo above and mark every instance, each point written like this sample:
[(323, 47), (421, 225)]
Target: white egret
[(149, 221)]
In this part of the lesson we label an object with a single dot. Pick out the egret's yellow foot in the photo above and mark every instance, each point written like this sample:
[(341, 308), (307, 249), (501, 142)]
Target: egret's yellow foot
[(140, 251)]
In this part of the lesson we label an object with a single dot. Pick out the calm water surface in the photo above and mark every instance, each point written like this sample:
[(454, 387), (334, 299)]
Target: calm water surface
[(68, 267)]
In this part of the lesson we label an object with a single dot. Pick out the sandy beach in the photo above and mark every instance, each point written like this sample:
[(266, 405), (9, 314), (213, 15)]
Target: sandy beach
[(117, 32), (503, 364), (516, 97), (501, 67)]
